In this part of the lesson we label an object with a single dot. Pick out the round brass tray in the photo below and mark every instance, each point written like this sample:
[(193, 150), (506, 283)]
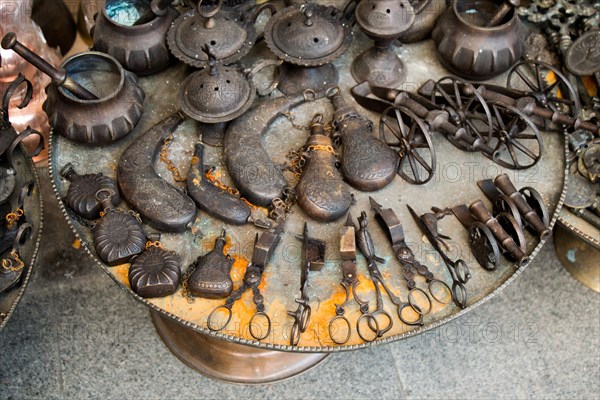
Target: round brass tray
[(454, 183), (579, 227), (33, 210)]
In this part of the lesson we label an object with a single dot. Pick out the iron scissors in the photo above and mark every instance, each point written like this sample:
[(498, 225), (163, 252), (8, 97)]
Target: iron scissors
[(264, 247), (349, 283), (390, 223), (459, 270)]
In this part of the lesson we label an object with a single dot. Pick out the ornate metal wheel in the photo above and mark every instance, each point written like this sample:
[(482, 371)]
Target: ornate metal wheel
[(516, 140), (503, 204), (417, 154), (535, 201), (547, 85), (467, 111), (484, 246), (514, 230)]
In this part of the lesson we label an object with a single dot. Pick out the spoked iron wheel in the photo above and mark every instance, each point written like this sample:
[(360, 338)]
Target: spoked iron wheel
[(417, 154), (467, 111), (516, 140), (514, 230), (484, 246), (503, 204), (547, 85), (535, 201)]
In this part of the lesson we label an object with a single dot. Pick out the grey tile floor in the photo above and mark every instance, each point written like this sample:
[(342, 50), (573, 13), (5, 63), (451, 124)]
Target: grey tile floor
[(76, 335)]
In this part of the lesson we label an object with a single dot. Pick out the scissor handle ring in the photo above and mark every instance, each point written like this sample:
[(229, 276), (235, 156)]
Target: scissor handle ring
[(445, 285), (417, 322), (463, 273), (381, 332), (461, 298), (332, 323), (305, 318), (252, 333), (377, 331), (415, 306), (295, 334), (211, 315)]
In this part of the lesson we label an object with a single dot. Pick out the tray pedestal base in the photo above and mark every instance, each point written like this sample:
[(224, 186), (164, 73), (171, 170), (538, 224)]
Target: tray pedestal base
[(228, 361)]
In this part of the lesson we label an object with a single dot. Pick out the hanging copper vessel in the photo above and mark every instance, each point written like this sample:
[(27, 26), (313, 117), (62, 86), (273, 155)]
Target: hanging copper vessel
[(384, 22), (140, 47), (308, 38)]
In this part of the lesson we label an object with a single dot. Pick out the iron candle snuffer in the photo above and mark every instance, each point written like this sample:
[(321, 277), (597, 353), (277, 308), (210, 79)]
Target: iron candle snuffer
[(479, 39), (91, 98), (209, 276), (7, 131), (159, 204), (264, 247), (321, 191), (81, 196), (118, 235), (313, 259), (229, 33), (382, 21), (308, 38), (156, 272), (368, 164), (391, 225), (414, 315), (458, 269), (134, 32)]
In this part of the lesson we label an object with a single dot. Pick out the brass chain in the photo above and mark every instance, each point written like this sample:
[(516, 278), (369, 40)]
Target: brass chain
[(13, 217), (164, 157), (13, 262), (185, 287)]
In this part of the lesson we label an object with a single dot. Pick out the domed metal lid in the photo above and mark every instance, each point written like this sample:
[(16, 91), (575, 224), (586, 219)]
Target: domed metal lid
[(229, 38), (308, 35), (385, 19), (216, 94)]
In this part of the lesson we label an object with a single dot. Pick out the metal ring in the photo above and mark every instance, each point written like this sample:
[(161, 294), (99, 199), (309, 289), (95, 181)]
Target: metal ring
[(445, 285), (332, 322), (381, 332), (108, 193), (416, 306), (368, 317), (210, 13), (260, 314), (461, 298), (210, 316), (332, 91)]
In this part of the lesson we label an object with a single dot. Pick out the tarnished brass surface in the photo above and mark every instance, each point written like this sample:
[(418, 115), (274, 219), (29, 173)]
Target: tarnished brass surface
[(578, 257), (228, 361), (454, 183), (25, 171)]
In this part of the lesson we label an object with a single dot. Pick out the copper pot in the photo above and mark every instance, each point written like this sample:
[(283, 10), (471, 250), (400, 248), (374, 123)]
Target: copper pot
[(469, 48)]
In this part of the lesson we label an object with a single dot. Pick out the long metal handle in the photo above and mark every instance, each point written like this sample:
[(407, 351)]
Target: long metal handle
[(59, 76)]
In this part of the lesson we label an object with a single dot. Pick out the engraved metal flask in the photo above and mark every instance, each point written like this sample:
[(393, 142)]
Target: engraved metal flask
[(322, 192), (211, 278), (368, 164)]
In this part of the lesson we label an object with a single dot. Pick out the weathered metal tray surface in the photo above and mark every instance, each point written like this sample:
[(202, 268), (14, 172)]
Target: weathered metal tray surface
[(25, 172), (579, 227), (454, 183)]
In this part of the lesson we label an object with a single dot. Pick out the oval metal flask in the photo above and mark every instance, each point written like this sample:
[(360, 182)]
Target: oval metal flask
[(155, 273), (118, 235), (368, 164), (322, 192), (211, 278), (81, 196)]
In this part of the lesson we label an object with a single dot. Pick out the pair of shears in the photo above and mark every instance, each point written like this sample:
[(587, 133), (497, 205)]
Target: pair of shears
[(264, 247), (459, 270)]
